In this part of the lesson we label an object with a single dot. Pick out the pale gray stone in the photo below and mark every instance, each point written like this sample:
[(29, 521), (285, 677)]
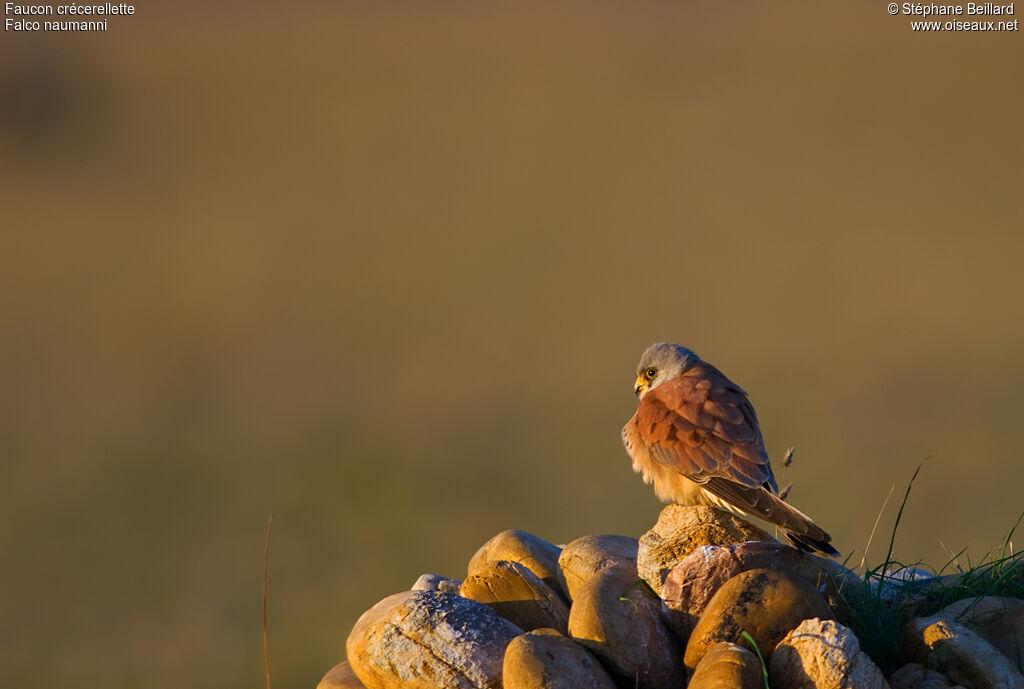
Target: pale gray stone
[(428, 639), (586, 556), (823, 654), (959, 653), (436, 582)]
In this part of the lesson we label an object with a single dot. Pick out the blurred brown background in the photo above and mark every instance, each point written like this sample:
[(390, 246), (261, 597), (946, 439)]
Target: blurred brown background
[(385, 270)]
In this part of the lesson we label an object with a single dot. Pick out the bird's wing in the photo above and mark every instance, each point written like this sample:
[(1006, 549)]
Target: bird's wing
[(702, 425), (804, 533), (634, 445)]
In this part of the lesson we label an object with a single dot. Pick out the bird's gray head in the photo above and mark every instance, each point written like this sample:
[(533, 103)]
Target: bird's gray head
[(661, 362)]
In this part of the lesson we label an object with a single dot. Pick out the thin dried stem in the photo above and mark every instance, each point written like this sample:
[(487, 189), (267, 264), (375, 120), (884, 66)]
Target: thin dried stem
[(952, 556), (875, 527), (266, 562)]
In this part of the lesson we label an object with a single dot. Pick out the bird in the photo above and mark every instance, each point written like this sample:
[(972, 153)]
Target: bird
[(695, 436)]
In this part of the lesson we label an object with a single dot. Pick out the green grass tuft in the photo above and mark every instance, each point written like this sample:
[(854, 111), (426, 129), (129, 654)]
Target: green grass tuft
[(764, 668), (887, 596)]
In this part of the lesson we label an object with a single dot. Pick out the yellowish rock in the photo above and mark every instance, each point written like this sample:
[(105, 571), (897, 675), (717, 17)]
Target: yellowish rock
[(539, 556), (917, 676), (586, 556), (997, 619), (545, 659), (518, 595), (429, 640), (617, 618), (823, 654), (680, 530), (728, 666), (766, 604), (341, 676), (959, 653), (692, 583)]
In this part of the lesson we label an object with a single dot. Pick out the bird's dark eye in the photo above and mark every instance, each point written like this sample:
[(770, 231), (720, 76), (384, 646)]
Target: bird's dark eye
[(651, 372)]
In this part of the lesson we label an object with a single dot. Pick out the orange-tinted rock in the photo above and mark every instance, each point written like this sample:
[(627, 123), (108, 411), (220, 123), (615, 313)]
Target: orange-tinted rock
[(428, 640), (698, 576), (544, 659), (341, 676), (618, 619), (539, 556), (682, 529), (958, 653), (998, 620), (518, 595), (917, 676), (765, 603), (728, 666), (823, 654), (586, 556)]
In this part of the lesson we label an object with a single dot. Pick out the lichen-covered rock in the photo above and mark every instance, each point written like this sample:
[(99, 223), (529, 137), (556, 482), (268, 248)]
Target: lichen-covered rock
[(917, 676), (682, 529), (616, 617), (518, 595), (728, 666), (765, 603), (959, 653), (340, 676), (544, 659), (586, 556), (691, 584), (539, 556), (823, 654), (996, 619), (436, 582), (427, 639)]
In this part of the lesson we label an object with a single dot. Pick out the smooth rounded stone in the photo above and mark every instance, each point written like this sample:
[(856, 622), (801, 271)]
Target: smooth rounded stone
[(904, 587), (586, 556), (823, 654), (618, 619), (680, 530), (765, 603), (959, 653), (428, 639), (340, 676), (436, 582), (691, 584), (917, 676), (518, 595), (996, 619), (728, 666), (539, 556), (545, 659), (902, 575)]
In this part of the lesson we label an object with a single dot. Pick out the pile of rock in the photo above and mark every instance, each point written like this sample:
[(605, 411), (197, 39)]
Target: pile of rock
[(701, 600)]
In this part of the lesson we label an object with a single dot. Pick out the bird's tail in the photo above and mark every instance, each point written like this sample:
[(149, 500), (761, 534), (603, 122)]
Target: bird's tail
[(811, 545), (760, 503)]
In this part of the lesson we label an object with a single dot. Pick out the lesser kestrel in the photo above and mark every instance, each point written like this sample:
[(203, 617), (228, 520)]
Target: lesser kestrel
[(695, 437)]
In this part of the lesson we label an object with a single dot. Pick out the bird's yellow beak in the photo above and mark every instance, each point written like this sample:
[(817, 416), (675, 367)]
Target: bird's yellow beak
[(640, 385)]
